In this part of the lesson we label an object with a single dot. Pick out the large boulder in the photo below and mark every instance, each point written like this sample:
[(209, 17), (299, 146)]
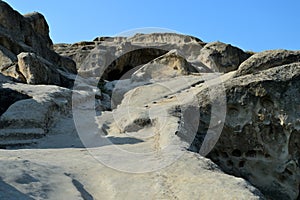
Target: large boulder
[(166, 66), (30, 111), (37, 70), (267, 59), (221, 57)]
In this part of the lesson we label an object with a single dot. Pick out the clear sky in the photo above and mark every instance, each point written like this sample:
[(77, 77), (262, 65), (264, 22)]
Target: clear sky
[(254, 25)]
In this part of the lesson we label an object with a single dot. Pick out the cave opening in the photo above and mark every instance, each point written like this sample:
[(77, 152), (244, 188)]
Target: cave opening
[(9, 97), (130, 60)]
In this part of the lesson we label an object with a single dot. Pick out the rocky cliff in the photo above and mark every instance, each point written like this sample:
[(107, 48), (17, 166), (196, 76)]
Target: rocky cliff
[(25, 42), (152, 116)]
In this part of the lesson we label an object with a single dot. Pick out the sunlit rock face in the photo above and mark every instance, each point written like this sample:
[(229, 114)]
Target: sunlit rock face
[(30, 34), (260, 138), (151, 116)]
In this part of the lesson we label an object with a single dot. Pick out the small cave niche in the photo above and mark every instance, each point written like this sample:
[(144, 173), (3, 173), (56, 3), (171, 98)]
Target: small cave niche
[(236, 153), (224, 154), (9, 97), (229, 163), (251, 153), (232, 110), (242, 163), (267, 103), (114, 74)]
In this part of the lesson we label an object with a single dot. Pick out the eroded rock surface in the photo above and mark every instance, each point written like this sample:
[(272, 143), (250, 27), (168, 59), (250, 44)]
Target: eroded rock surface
[(260, 137), (167, 66), (267, 59), (114, 54), (8, 97), (221, 57), (27, 178), (161, 96), (29, 33)]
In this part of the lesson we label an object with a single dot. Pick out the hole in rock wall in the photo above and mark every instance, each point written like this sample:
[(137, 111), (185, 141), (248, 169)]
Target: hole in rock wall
[(236, 153), (241, 164), (9, 97), (130, 60)]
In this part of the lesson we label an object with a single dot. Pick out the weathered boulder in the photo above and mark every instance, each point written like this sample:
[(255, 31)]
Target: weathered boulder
[(40, 26), (30, 112), (37, 70), (159, 117), (260, 138), (221, 57), (267, 59), (166, 66), (29, 33)]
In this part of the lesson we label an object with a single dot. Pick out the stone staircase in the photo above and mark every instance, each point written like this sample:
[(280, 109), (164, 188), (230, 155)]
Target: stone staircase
[(13, 137)]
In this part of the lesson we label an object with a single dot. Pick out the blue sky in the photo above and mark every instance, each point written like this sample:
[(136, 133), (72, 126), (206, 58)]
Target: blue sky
[(251, 25)]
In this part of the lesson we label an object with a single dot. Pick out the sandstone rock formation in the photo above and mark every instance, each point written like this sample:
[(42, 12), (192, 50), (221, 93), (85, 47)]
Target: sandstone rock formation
[(260, 137), (221, 57), (57, 178), (37, 70), (268, 59), (119, 54), (168, 66), (29, 33), (142, 114)]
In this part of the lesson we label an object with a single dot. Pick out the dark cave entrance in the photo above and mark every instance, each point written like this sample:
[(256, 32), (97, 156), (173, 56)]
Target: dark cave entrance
[(130, 60), (9, 97), (116, 74)]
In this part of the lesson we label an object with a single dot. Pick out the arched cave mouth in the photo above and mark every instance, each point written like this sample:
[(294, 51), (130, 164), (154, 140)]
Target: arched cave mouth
[(130, 60), (9, 97)]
